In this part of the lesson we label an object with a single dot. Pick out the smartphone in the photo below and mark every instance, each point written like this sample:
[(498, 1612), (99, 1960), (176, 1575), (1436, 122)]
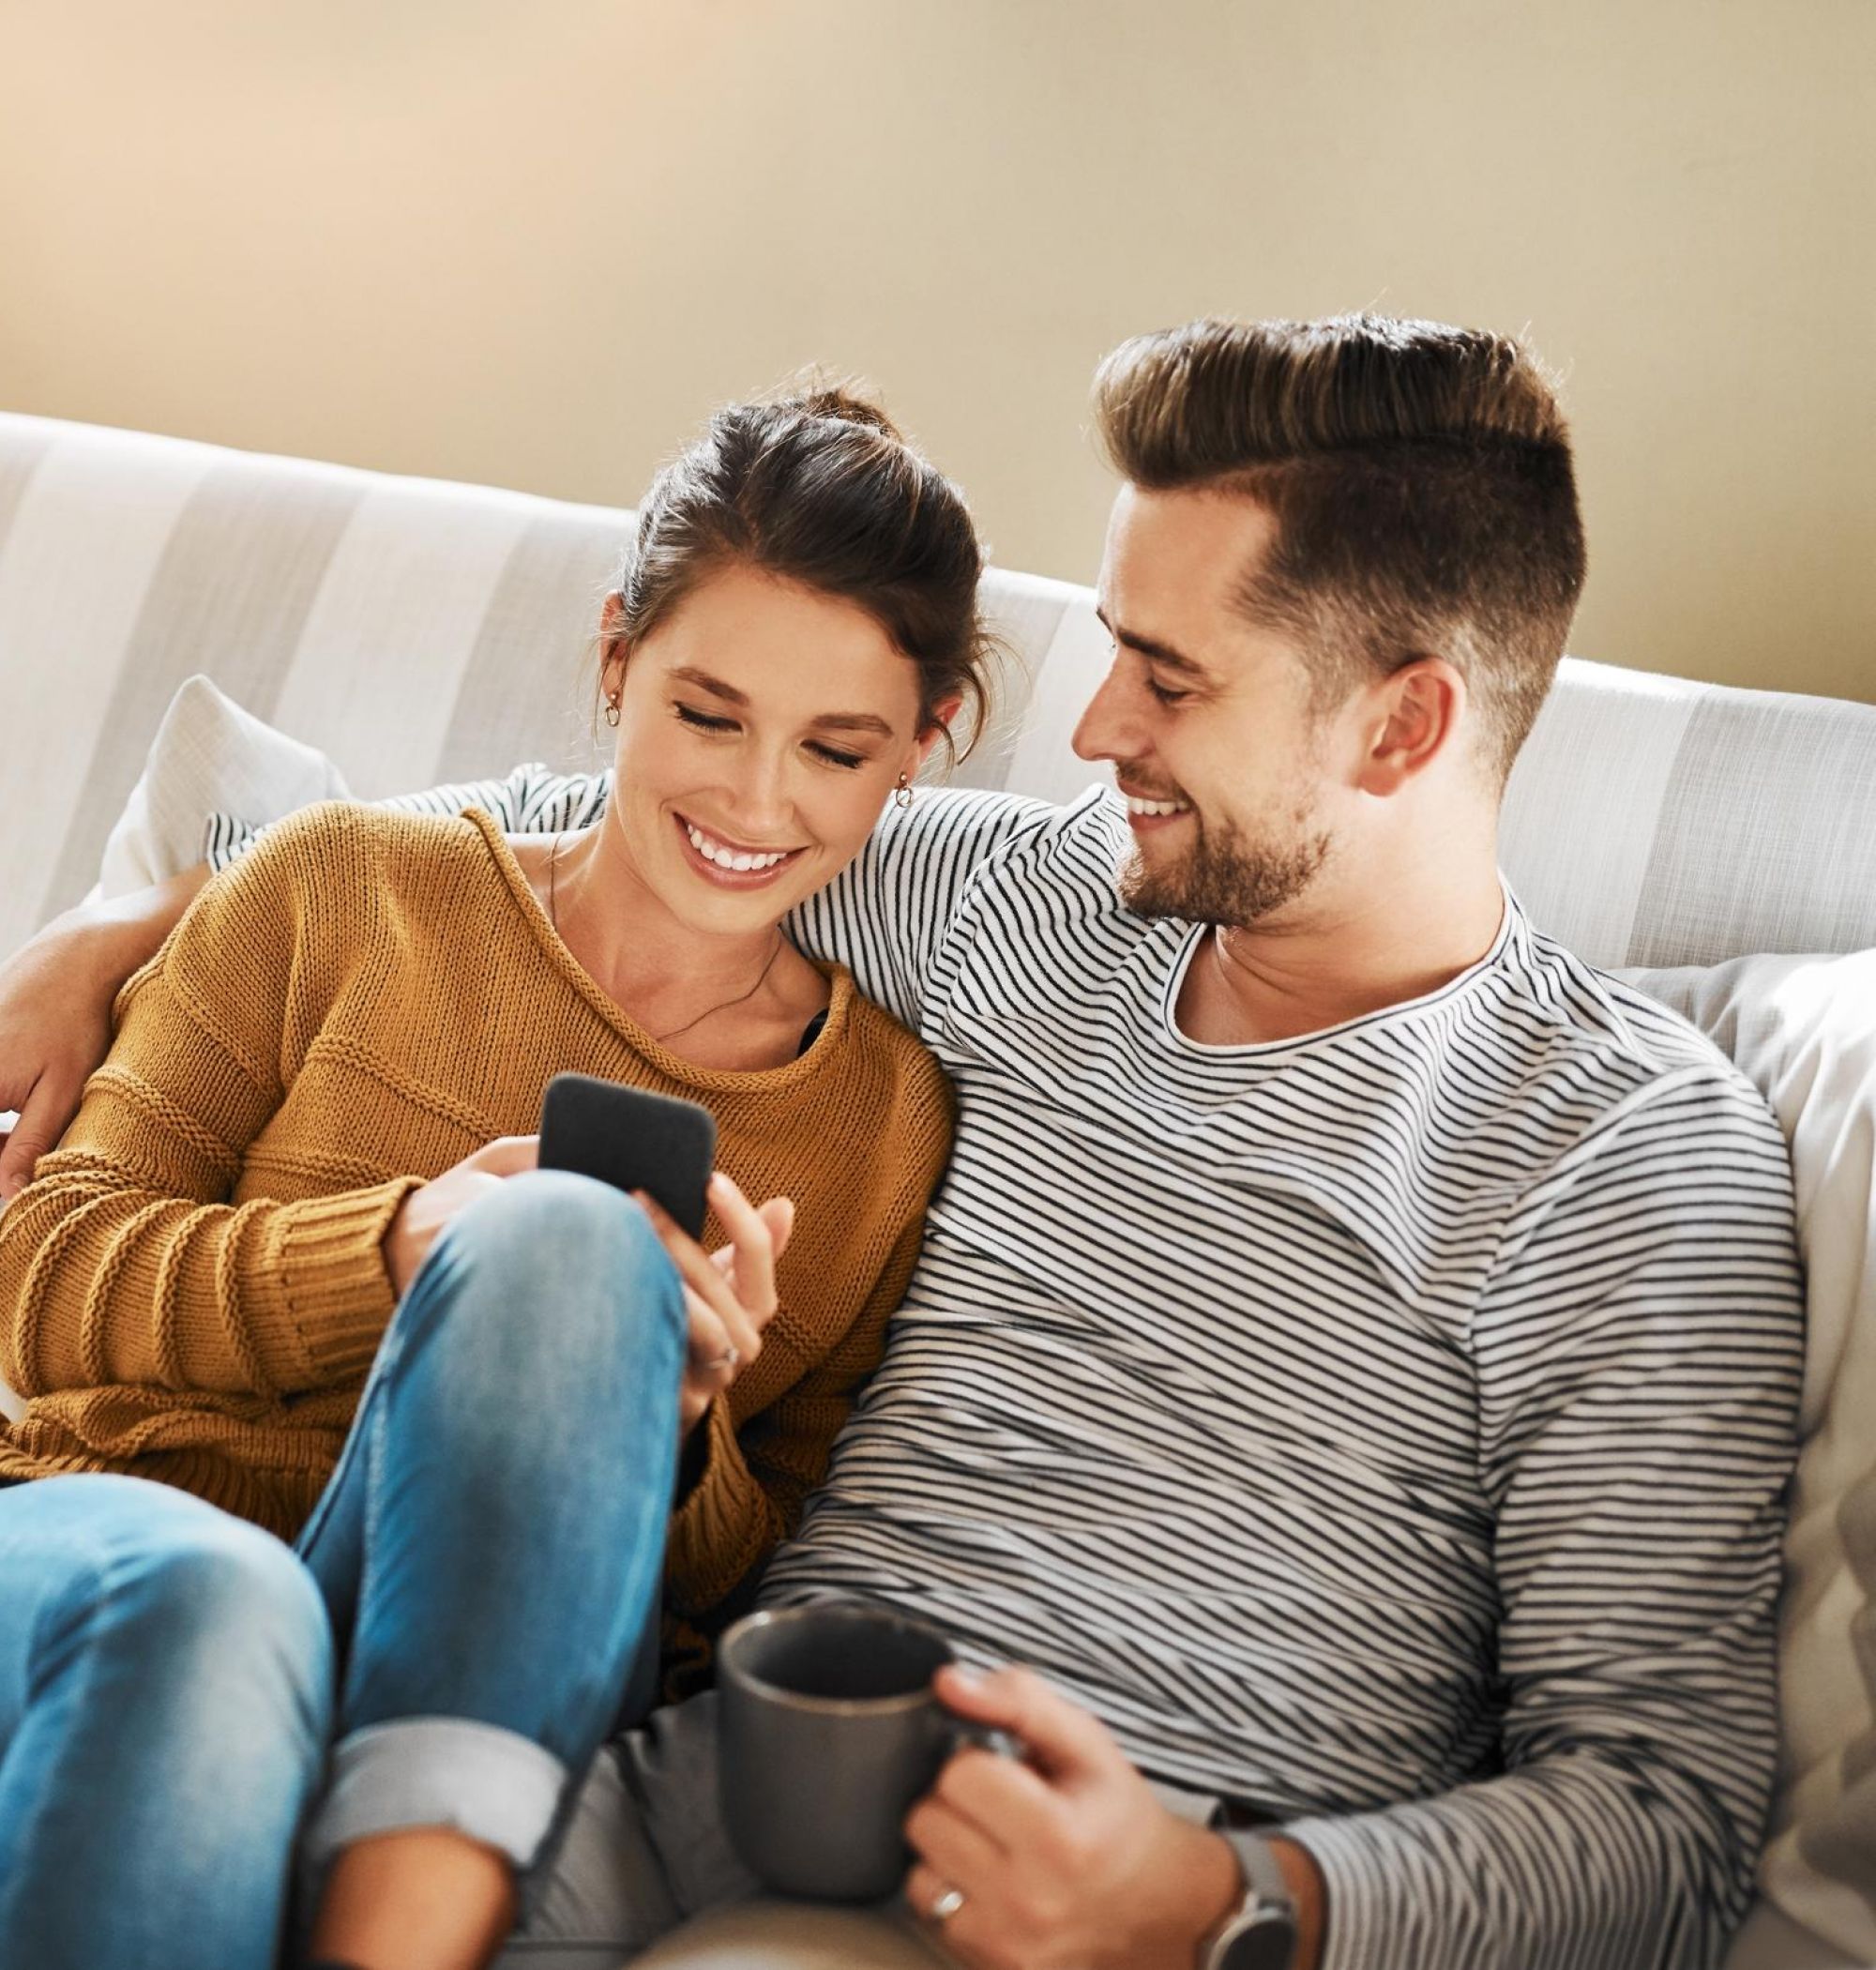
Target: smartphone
[(634, 1140)]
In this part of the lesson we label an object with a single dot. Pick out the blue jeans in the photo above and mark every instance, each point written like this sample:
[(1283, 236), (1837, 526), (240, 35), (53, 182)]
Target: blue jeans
[(487, 1556)]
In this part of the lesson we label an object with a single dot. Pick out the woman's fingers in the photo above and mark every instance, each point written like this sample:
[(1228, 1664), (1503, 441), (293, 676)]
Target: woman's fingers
[(695, 1269), (753, 1239), (507, 1155), (710, 1351)]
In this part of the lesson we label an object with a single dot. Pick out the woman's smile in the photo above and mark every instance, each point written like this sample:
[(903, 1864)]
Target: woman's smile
[(730, 865)]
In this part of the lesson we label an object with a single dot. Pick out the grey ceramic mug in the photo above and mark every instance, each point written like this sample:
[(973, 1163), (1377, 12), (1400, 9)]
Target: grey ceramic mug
[(829, 1732)]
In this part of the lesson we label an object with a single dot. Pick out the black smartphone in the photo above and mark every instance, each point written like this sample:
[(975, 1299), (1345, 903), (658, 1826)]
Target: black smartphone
[(632, 1139)]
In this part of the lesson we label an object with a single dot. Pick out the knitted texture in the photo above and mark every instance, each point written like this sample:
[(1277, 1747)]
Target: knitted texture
[(193, 1287)]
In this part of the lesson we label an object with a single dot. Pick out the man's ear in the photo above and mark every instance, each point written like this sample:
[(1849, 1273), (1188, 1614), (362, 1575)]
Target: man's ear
[(1415, 718)]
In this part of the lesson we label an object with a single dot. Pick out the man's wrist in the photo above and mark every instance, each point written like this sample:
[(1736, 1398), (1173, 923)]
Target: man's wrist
[(1210, 1888), (116, 937), (1303, 1889), (1308, 1895)]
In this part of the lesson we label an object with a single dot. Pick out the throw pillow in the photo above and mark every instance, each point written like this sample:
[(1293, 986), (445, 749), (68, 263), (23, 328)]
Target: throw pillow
[(1804, 1029)]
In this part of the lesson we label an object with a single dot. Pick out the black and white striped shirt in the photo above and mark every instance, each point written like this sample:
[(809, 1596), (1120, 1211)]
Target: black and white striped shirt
[(1388, 1428)]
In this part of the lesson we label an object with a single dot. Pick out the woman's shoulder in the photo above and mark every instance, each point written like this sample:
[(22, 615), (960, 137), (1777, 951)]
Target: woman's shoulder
[(905, 1069), (333, 836)]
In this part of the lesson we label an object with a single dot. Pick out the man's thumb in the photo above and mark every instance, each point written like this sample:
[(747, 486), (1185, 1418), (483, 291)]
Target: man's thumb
[(19, 1152), (1059, 1739), (41, 1124)]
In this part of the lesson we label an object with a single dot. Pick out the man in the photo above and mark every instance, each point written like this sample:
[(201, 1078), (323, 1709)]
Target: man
[(1355, 1354)]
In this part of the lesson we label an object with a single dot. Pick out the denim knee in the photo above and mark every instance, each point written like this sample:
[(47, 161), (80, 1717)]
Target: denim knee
[(560, 1264), (222, 1601)]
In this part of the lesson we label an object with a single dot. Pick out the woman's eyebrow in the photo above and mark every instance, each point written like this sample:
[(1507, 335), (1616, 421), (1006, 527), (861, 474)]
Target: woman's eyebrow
[(831, 721)]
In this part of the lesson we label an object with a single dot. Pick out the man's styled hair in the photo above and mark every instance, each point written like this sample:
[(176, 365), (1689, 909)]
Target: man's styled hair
[(1419, 476)]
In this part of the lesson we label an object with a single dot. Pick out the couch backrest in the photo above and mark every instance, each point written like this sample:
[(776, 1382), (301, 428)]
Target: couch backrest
[(418, 630)]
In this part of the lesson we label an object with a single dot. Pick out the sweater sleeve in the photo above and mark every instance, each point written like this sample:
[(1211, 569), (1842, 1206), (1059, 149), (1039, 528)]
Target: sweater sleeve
[(1638, 1353), (753, 1484), (124, 1261)]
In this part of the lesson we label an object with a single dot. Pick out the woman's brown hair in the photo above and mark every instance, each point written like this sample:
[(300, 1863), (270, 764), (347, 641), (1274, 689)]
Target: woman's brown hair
[(819, 487)]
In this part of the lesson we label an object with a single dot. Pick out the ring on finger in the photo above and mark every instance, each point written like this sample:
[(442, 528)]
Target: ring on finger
[(944, 1905), (728, 1358)]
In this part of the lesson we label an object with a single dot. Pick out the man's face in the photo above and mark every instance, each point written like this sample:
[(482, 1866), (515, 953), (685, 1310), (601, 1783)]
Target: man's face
[(1207, 716)]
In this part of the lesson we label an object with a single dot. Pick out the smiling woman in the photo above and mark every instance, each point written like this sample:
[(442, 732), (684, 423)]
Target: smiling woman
[(793, 629), (294, 1255)]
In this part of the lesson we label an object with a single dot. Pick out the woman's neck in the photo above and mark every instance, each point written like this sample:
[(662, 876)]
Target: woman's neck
[(717, 999)]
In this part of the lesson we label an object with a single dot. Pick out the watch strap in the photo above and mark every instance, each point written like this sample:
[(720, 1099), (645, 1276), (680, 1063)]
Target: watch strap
[(1262, 1931)]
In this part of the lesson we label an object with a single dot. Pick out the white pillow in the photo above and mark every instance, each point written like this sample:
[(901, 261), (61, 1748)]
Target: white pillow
[(1804, 1029), (208, 756)]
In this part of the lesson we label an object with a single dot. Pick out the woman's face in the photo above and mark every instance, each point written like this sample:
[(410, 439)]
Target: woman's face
[(762, 727)]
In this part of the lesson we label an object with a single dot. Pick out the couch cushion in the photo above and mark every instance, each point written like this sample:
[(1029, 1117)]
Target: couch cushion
[(1804, 1029)]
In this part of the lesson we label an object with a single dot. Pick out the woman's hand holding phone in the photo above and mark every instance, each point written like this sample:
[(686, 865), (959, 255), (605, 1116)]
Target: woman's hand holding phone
[(423, 1215), (728, 1294)]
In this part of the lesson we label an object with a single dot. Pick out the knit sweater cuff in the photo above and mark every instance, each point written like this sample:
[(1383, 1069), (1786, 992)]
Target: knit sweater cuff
[(335, 1297), (720, 1529)]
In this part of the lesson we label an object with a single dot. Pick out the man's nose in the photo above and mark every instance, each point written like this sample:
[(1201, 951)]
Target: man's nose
[(1107, 728)]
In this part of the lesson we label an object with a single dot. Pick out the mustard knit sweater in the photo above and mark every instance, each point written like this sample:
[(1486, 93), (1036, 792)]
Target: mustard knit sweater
[(192, 1288)]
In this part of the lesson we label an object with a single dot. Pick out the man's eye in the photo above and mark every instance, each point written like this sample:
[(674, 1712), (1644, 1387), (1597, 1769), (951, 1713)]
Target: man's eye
[(1164, 695), (848, 759), (702, 719)]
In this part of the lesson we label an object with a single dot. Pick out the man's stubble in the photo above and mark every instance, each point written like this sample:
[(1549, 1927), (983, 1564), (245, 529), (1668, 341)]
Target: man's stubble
[(1229, 877)]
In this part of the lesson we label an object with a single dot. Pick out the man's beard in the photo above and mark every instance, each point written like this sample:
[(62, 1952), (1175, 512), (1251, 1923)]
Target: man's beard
[(1226, 877)]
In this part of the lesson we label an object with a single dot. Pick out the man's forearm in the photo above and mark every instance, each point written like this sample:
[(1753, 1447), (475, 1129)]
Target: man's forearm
[(128, 931), (56, 993)]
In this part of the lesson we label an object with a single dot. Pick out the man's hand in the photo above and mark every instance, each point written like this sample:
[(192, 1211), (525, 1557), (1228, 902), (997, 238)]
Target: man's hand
[(56, 999), (1066, 1861)]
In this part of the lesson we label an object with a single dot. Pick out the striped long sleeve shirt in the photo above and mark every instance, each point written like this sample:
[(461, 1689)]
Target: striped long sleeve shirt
[(1386, 1427)]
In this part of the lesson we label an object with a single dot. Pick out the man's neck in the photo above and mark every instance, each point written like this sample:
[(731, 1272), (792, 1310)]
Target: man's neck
[(1340, 960)]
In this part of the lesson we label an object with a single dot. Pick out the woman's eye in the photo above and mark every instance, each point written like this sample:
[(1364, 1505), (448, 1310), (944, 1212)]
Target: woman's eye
[(702, 719), (848, 759)]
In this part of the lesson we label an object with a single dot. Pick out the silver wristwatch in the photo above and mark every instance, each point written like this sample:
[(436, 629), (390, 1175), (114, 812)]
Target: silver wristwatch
[(1261, 1933)]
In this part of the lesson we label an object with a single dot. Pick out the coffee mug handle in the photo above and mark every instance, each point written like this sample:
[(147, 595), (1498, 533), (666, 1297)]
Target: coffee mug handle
[(985, 1737)]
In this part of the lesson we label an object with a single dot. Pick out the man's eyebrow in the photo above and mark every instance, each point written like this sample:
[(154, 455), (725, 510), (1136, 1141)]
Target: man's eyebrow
[(832, 722), (1151, 646)]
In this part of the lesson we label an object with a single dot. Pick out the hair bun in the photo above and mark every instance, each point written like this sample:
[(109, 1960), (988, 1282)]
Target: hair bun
[(842, 401)]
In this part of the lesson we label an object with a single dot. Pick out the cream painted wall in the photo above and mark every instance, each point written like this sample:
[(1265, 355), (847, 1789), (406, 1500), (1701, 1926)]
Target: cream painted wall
[(533, 245)]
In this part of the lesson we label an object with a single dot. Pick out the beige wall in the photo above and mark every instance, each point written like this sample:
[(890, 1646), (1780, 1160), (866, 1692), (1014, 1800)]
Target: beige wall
[(534, 244)]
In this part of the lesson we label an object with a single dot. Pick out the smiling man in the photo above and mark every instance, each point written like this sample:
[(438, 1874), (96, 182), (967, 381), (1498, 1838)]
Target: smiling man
[(1355, 1358)]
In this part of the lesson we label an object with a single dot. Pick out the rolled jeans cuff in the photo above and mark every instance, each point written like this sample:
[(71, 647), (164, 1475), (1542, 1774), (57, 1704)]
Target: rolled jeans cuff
[(487, 1783)]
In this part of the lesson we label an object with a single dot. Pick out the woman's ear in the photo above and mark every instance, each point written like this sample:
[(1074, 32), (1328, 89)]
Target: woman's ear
[(612, 644), (942, 713)]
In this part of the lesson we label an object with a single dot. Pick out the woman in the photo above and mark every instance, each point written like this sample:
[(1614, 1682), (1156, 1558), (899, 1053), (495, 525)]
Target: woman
[(308, 1159)]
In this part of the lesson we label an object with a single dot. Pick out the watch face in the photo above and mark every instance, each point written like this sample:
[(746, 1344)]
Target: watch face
[(1267, 1941)]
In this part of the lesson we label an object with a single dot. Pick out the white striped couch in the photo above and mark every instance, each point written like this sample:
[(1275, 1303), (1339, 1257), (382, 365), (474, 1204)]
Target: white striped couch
[(418, 631)]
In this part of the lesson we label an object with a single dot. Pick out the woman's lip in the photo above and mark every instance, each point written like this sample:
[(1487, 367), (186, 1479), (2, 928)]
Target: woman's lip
[(731, 878)]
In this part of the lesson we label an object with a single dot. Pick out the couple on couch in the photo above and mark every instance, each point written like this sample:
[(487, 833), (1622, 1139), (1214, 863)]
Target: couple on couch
[(1352, 1359)]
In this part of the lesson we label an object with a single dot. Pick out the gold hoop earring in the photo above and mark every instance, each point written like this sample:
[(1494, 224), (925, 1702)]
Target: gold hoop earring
[(902, 793), (612, 712)]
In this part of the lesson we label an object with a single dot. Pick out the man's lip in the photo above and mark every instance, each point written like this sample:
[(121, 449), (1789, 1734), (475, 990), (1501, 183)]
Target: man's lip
[(1141, 794)]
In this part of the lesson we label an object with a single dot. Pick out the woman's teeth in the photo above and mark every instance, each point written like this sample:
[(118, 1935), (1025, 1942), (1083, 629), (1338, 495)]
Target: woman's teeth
[(730, 858), (1137, 806)]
